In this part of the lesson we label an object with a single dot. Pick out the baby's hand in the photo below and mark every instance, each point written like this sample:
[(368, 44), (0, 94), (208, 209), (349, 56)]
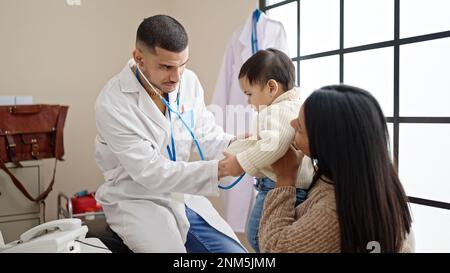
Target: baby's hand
[(243, 136), (229, 166)]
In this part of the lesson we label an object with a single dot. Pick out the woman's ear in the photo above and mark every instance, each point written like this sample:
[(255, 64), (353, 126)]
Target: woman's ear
[(273, 87)]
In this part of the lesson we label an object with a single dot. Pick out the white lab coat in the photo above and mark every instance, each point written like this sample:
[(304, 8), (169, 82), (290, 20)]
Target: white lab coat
[(138, 195), (271, 34)]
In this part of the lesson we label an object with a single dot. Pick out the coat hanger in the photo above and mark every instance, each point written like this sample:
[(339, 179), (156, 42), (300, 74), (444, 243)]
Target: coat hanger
[(256, 14)]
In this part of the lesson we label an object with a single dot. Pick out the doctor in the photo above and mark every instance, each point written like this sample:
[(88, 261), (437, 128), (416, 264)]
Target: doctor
[(153, 197)]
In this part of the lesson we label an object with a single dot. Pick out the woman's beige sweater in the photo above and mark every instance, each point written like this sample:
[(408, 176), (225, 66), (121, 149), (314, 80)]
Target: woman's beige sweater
[(310, 227)]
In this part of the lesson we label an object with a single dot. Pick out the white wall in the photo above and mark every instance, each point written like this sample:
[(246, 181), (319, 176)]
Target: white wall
[(65, 54), (210, 24)]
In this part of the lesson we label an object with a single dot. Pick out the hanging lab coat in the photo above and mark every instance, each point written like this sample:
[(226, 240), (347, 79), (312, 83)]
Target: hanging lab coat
[(270, 34), (144, 194)]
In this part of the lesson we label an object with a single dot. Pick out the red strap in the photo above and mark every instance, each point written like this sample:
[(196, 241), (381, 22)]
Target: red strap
[(59, 132), (12, 149)]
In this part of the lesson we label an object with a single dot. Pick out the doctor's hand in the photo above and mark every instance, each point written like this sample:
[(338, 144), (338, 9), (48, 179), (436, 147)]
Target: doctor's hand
[(286, 168), (229, 166)]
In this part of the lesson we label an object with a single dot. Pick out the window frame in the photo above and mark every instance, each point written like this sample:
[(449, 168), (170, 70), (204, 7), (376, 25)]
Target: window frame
[(396, 119)]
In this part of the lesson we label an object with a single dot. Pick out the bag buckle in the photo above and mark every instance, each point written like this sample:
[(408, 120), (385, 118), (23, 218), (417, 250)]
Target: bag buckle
[(10, 144), (34, 147)]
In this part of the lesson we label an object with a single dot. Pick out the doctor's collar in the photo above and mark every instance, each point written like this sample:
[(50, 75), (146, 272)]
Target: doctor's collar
[(127, 81)]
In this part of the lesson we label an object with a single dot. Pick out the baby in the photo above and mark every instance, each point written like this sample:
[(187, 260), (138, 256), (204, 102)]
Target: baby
[(267, 78)]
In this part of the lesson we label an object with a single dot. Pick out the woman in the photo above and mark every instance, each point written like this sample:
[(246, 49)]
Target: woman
[(356, 202)]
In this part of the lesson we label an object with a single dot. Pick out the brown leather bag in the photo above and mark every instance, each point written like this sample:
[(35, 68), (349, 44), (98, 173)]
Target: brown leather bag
[(31, 132)]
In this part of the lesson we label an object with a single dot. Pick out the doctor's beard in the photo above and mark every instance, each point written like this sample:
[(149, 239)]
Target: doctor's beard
[(169, 87)]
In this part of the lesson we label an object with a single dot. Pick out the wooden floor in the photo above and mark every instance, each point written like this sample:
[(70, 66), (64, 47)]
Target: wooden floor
[(243, 238), (217, 204)]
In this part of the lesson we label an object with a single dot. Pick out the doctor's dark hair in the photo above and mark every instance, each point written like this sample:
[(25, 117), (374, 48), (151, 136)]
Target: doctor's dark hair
[(162, 31), (270, 64), (348, 138)]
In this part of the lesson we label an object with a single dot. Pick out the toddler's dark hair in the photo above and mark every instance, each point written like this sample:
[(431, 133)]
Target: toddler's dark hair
[(269, 64)]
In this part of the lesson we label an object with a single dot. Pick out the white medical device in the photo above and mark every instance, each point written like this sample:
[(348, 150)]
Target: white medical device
[(59, 236)]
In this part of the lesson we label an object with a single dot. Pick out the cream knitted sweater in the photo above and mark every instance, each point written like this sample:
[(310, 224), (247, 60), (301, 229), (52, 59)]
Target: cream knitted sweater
[(272, 135), (310, 227)]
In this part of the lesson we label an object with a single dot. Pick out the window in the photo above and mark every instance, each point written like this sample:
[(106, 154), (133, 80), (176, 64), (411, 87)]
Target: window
[(400, 51), (287, 15)]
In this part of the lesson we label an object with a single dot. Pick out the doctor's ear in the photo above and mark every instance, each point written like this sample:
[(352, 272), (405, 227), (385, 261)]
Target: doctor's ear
[(137, 56), (273, 87)]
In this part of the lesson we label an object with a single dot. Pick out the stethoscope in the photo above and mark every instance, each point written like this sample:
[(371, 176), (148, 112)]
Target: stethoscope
[(254, 38), (172, 152)]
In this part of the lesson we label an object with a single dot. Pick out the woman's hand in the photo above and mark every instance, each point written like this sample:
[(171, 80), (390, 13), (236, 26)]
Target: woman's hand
[(229, 166), (286, 168)]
